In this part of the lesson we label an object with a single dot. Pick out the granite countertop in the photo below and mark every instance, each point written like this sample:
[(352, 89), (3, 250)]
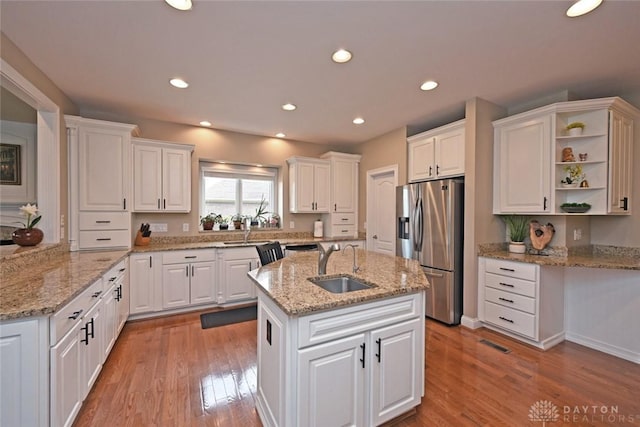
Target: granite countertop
[(596, 258), (44, 286), (285, 281)]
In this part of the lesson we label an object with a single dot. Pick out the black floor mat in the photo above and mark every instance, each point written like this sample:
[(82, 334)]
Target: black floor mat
[(227, 317)]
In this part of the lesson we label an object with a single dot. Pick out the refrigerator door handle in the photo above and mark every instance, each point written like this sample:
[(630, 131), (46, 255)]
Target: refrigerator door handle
[(419, 224), (438, 275)]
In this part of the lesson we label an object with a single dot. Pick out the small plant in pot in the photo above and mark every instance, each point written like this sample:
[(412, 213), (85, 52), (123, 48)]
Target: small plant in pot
[(237, 220), (223, 221), (518, 228), (208, 221), (575, 128), (261, 211)]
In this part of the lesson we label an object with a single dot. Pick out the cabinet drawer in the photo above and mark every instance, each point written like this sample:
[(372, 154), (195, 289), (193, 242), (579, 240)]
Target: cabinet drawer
[(115, 275), (343, 219), (104, 220), (519, 270), (509, 284), (63, 319), (326, 326), (510, 319), (180, 257), (509, 299), (104, 239), (343, 230)]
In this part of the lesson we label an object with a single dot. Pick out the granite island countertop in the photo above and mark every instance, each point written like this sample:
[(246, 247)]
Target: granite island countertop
[(43, 287), (285, 281), (596, 258)]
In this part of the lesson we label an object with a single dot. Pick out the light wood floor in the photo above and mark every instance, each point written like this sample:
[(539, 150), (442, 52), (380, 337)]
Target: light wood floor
[(170, 372)]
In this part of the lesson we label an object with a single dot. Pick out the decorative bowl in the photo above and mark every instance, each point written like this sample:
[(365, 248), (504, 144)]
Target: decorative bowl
[(575, 209)]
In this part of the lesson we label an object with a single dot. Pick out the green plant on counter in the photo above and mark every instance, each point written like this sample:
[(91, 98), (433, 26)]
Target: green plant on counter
[(261, 211), (518, 227), (575, 125)]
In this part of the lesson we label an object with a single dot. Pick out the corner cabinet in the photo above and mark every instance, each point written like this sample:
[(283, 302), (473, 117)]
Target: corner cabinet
[(309, 185), (99, 183), (437, 153), (161, 176), (358, 365), (342, 221), (531, 158)]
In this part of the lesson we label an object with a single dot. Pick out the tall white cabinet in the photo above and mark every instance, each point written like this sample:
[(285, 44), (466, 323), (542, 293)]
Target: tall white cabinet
[(529, 164), (342, 221), (437, 153), (99, 183), (309, 185), (161, 176)]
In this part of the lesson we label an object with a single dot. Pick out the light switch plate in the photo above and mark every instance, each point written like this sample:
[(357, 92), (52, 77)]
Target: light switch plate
[(185, 227), (292, 224)]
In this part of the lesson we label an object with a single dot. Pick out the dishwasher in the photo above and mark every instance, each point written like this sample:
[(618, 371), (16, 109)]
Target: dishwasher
[(299, 247)]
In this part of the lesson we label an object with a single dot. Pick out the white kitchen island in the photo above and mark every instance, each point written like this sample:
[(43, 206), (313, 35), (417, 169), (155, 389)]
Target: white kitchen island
[(354, 358)]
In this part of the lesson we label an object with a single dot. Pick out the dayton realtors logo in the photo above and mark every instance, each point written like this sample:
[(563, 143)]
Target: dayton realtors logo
[(545, 411)]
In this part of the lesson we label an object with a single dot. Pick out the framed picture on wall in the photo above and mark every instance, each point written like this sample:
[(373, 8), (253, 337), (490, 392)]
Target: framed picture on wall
[(10, 164)]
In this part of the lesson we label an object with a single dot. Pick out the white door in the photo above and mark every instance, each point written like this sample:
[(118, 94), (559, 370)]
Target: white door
[(175, 285), (322, 188), (331, 383), (147, 178), (396, 383), (203, 284), (381, 215)]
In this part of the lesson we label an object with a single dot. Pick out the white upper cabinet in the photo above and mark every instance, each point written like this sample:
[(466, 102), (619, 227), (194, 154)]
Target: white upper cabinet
[(437, 153), (161, 176), (522, 157), (534, 153), (342, 220), (309, 185)]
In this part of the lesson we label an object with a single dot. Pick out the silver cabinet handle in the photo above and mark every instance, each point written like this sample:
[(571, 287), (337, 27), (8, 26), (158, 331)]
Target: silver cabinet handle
[(439, 275)]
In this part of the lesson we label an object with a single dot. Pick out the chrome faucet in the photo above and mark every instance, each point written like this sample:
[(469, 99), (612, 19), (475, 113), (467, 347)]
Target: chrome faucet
[(323, 257), (247, 229), (355, 264)]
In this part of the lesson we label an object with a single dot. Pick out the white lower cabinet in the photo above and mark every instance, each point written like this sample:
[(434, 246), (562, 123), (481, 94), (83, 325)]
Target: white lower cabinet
[(359, 365), (145, 282), (188, 278), (66, 382), (522, 300), (235, 285)]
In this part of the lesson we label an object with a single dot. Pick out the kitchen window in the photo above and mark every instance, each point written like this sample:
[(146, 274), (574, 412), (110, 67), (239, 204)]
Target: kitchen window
[(227, 189)]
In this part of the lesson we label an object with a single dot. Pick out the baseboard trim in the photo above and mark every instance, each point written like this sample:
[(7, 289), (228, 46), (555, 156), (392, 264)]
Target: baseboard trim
[(613, 350), (470, 322)]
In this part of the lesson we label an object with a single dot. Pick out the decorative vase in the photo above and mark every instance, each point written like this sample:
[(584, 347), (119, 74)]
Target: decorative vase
[(517, 247), (575, 131), (27, 237)]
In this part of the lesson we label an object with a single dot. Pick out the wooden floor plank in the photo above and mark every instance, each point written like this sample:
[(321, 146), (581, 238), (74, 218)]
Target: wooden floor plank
[(171, 372)]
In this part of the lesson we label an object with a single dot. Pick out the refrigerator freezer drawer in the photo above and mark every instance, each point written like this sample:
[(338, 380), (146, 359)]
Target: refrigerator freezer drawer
[(443, 301)]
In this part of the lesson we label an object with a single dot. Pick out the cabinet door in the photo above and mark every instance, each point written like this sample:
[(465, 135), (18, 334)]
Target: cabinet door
[(20, 375), (110, 309), (66, 384), (123, 303), (175, 285), (147, 178), (522, 166), (331, 383), (203, 282), (272, 362), (422, 159), (344, 185), (102, 170), (91, 347), (450, 153), (303, 182), (396, 383), (620, 158), (235, 282), (322, 188), (176, 180), (144, 283)]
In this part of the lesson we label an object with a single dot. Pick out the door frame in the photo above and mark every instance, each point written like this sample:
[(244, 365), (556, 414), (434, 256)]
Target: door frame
[(371, 175)]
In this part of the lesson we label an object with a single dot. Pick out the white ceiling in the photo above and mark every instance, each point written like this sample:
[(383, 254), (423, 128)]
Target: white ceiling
[(244, 59)]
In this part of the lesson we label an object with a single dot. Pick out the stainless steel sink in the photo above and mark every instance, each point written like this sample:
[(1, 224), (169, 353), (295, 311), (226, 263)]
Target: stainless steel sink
[(249, 243), (340, 284)]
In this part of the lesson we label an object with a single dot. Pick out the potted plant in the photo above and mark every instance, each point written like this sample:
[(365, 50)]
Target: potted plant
[(574, 176), (575, 128), (223, 222), (29, 235), (207, 221), (518, 228), (237, 220), (261, 211)]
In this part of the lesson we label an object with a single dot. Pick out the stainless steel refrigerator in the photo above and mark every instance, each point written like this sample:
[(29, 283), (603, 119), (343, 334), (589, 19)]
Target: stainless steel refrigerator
[(430, 230)]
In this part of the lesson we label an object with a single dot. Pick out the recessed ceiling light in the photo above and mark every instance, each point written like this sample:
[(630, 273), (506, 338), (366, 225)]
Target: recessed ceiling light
[(289, 107), (205, 123), (582, 7), (429, 85), (179, 83), (258, 165), (180, 4), (358, 121), (280, 135), (341, 56)]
